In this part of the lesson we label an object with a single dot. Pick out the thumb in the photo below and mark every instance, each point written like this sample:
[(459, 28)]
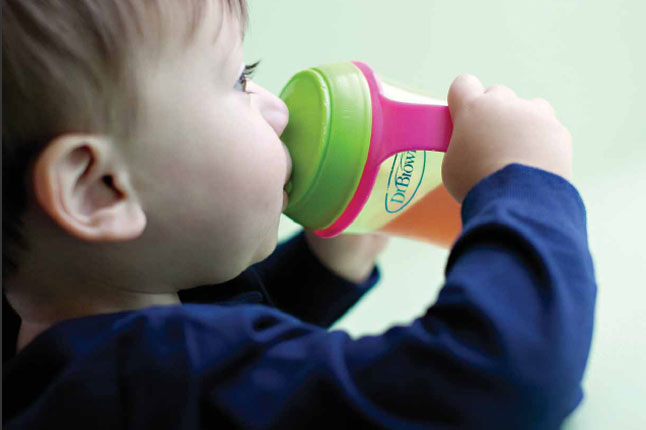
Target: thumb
[(463, 89)]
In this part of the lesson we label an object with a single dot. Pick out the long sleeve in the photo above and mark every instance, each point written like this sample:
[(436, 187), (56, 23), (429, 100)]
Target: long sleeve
[(504, 346), (299, 284)]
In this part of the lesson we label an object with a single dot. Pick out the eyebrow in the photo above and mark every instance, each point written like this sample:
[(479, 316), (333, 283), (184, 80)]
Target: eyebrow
[(216, 36), (243, 24), (233, 49)]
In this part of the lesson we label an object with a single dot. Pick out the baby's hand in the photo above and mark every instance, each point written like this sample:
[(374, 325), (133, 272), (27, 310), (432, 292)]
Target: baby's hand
[(351, 256), (494, 128)]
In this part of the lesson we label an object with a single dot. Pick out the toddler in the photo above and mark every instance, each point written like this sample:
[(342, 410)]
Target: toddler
[(143, 286)]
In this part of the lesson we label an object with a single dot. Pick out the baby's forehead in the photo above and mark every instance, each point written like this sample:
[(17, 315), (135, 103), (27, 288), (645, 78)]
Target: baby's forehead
[(181, 54), (179, 23)]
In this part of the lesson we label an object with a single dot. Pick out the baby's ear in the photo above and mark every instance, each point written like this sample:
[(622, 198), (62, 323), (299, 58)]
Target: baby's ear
[(82, 183)]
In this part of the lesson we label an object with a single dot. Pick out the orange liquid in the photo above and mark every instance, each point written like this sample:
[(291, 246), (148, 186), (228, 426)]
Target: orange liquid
[(435, 218)]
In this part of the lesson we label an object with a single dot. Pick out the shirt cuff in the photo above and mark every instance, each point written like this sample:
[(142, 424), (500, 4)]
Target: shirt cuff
[(510, 203), (523, 183)]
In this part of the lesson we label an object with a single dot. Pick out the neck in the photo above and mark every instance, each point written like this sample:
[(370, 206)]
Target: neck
[(28, 331)]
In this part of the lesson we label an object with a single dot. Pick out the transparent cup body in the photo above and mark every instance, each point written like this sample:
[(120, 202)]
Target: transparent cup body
[(408, 198)]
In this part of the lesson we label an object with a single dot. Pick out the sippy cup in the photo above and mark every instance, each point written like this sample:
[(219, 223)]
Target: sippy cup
[(367, 156)]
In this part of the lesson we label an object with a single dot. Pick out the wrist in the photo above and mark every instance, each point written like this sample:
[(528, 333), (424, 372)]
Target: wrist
[(351, 266)]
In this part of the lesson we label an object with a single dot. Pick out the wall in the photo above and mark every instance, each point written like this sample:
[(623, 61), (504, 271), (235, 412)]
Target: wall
[(586, 58)]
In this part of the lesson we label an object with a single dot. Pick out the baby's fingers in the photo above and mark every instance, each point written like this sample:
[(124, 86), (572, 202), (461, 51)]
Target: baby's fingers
[(463, 89), (544, 105)]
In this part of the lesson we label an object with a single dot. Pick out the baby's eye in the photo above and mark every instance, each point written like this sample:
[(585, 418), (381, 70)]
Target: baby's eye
[(246, 74)]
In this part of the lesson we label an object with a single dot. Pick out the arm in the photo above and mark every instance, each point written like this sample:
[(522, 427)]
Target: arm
[(505, 345), (299, 282), (303, 283)]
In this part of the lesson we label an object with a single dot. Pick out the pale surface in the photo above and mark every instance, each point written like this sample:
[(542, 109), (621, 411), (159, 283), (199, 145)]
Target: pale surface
[(586, 58)]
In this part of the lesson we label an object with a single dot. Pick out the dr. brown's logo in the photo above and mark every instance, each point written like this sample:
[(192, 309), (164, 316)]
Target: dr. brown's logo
[(405, 178)]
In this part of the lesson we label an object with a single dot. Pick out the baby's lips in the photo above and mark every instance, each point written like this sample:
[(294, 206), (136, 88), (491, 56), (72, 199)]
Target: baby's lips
[(287, 183)]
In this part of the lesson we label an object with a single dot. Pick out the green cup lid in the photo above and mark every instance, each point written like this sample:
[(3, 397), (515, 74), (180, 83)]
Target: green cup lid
[(328, 137)]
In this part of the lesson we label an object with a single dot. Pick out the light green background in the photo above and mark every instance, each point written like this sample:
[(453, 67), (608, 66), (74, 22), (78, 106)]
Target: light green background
[(587, 59)]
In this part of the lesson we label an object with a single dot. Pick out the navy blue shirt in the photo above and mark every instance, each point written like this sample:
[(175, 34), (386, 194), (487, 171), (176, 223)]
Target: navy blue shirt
[(504, 346)]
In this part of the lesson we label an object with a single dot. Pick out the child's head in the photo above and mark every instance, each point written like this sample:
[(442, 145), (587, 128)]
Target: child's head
[(134, 163)]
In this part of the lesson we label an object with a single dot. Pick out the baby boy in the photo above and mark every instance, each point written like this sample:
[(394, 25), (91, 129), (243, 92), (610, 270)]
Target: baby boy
[(143, 182)]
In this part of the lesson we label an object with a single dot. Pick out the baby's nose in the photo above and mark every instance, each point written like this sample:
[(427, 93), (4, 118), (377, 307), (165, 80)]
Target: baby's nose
[(272, 107), (279, 114)]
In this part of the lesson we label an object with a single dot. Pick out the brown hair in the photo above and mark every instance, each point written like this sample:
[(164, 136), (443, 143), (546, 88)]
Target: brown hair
[(66, 68)]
